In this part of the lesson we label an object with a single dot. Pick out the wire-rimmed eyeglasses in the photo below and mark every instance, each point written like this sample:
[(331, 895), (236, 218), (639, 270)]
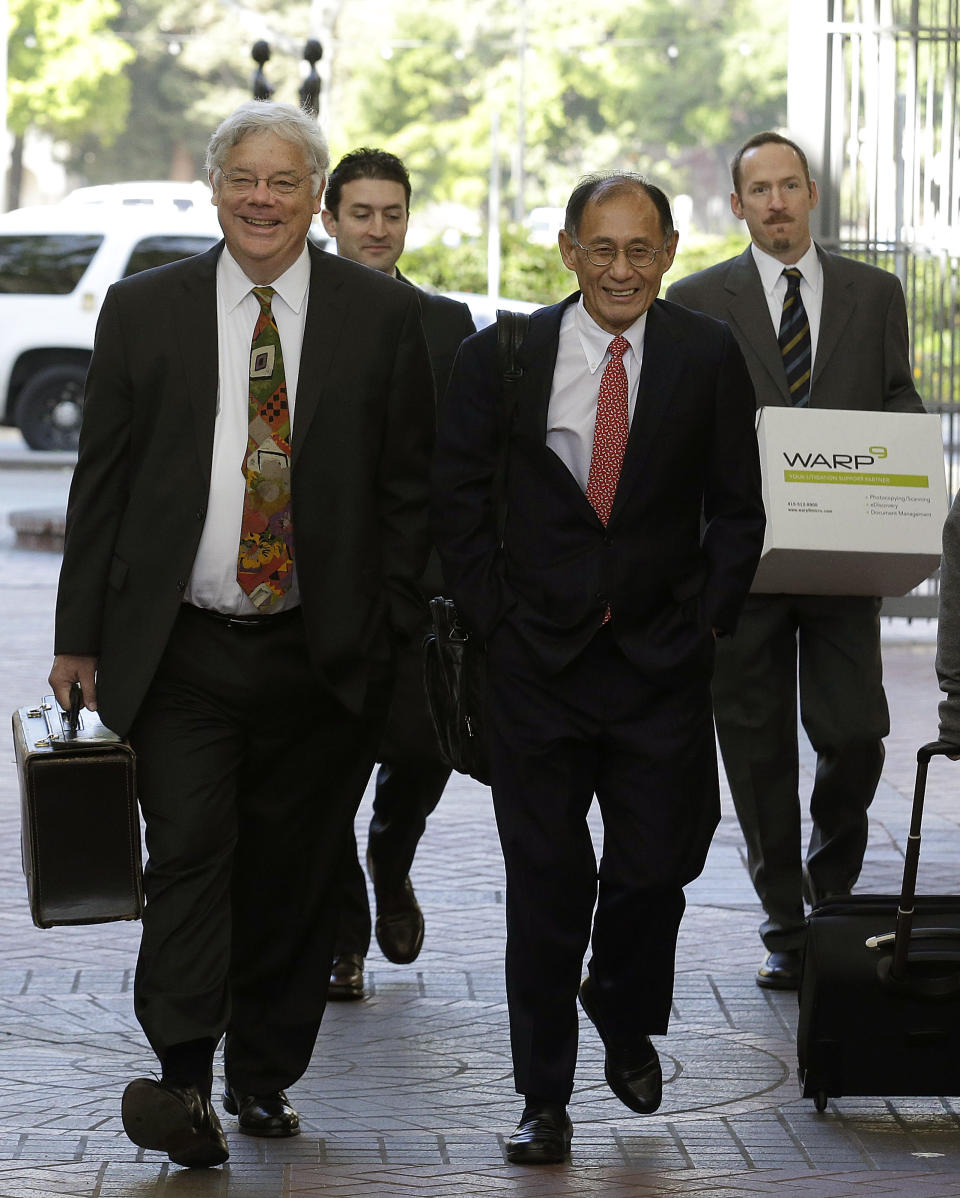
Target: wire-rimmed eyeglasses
[(242, 182), (637, 255)]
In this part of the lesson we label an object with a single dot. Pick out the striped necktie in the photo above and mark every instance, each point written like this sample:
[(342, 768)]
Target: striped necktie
[(794, 339), (265, 558)]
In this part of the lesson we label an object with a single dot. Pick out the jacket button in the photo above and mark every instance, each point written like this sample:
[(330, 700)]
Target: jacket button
[(200, 514), (181, 585)]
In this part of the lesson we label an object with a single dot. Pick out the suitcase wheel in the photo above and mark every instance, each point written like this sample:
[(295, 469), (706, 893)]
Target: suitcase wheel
[(820, 1100)]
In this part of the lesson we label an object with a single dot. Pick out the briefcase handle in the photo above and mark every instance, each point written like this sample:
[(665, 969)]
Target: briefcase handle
[(59, 730)]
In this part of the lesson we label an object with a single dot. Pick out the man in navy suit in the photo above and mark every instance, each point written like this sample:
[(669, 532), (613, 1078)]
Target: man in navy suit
[(366, 208), (634, 523), (255, 713)]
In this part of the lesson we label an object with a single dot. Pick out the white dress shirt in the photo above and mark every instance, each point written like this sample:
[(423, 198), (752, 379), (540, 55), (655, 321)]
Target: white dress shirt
[(775, 288), (572, 412), (213, 583)]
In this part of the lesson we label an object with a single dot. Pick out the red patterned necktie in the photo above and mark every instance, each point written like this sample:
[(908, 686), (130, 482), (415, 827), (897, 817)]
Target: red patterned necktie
[(265, 558), (609, 436), (610, 432)]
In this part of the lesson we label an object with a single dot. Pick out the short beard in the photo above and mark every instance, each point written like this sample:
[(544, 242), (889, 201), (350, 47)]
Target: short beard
[(780, 244)]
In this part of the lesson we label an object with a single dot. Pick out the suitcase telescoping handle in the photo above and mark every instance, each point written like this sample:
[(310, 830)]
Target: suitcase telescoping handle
[(901, 946)]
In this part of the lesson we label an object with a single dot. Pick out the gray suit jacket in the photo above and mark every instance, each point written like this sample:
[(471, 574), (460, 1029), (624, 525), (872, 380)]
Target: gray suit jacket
[(863, 350)]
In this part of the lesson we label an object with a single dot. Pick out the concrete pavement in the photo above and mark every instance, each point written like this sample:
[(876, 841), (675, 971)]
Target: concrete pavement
[(410, 1092)]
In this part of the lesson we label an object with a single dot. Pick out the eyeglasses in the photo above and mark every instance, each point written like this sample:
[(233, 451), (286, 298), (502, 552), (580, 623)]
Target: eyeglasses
[(240, 183), (637, 255)]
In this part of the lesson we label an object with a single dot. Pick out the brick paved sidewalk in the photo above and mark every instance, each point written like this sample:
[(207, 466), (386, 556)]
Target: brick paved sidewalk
[(410, 1091)]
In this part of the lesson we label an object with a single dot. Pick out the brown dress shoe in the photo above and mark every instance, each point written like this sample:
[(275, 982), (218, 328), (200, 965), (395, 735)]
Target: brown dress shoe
[(542, 1136), (346, 978), (780, 971), (177, 1120)]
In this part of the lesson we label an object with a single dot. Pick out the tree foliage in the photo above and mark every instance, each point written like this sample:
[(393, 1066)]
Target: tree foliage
[(667, 87), (65, 68), (190, 66)]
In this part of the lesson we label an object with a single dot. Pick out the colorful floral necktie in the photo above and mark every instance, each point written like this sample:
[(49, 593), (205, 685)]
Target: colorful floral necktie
[(265, 559)]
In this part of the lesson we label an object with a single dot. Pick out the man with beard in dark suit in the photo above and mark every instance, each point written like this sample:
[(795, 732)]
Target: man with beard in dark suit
[(246, 528), (366, 208), (839, 341)]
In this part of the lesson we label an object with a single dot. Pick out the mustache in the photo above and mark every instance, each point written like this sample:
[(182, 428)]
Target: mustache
[(779, 220)]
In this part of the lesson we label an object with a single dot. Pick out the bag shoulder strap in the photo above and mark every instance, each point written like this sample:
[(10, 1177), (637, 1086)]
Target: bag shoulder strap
[(511, 330)]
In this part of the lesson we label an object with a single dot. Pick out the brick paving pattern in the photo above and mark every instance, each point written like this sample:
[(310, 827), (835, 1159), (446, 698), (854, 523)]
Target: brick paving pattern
[(410, 1092)]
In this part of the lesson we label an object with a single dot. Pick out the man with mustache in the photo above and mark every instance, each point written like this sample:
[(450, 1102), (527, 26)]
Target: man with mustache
[(834, 335)]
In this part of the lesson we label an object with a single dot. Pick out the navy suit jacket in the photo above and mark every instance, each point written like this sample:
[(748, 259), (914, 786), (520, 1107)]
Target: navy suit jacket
[(686, 530)]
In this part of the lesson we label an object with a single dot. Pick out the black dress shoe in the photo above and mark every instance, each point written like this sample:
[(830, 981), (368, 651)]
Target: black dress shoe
[(542, 1136), (262, 1114), (399, 925), (346, 977), (780, 971), (632, 1069), (177, 1120)]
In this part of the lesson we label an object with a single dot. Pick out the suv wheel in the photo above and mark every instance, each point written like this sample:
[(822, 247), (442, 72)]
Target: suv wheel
[(51, 406)]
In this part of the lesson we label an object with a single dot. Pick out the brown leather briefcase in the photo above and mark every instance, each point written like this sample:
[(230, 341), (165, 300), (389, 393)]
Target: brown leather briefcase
[(79, 823)]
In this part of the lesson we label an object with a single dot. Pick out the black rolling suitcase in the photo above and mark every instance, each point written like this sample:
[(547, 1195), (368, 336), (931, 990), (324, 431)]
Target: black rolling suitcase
[(880, 988), (79, 821)]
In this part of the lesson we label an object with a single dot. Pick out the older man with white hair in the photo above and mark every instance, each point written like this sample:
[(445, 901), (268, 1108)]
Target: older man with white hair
[(246, 526)]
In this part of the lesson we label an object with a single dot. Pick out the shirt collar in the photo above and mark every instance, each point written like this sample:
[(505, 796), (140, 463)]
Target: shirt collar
[(596, 341), (771, 269), (291, 286)]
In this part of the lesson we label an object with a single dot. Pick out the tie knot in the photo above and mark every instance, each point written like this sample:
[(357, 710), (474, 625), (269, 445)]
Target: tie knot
[(793, 275), (264, 295), (618, 347)]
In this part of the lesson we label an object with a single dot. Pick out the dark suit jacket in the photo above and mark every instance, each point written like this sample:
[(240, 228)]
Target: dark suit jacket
[(863, 349), (361, 443), (691, 453), (446, 323)]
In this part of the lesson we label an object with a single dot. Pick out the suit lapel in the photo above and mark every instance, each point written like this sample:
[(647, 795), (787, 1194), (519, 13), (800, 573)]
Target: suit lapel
[(326, 313), (836, 308), (196, 320), (749, 316), (538, 357), (658, 376)]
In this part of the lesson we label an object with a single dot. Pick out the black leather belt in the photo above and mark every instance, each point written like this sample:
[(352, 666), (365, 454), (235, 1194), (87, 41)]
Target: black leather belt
[(242, 623)]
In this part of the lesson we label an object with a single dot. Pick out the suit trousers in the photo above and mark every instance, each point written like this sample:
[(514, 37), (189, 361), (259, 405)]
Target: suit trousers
[(648, 754), (407, 791), (831, 646), (250, 774), (410, 782)]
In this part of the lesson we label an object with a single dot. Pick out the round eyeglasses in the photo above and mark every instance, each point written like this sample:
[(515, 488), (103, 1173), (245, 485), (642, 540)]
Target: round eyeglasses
[(637, 255), (242, 183)]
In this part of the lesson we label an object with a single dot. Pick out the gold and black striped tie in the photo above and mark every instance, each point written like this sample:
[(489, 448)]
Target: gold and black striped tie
[(794, 339)]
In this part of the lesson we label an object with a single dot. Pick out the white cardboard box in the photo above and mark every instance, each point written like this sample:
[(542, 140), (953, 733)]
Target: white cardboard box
[(855, 501)]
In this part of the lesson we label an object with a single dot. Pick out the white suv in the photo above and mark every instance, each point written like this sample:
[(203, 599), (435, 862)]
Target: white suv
[(56, 263)]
